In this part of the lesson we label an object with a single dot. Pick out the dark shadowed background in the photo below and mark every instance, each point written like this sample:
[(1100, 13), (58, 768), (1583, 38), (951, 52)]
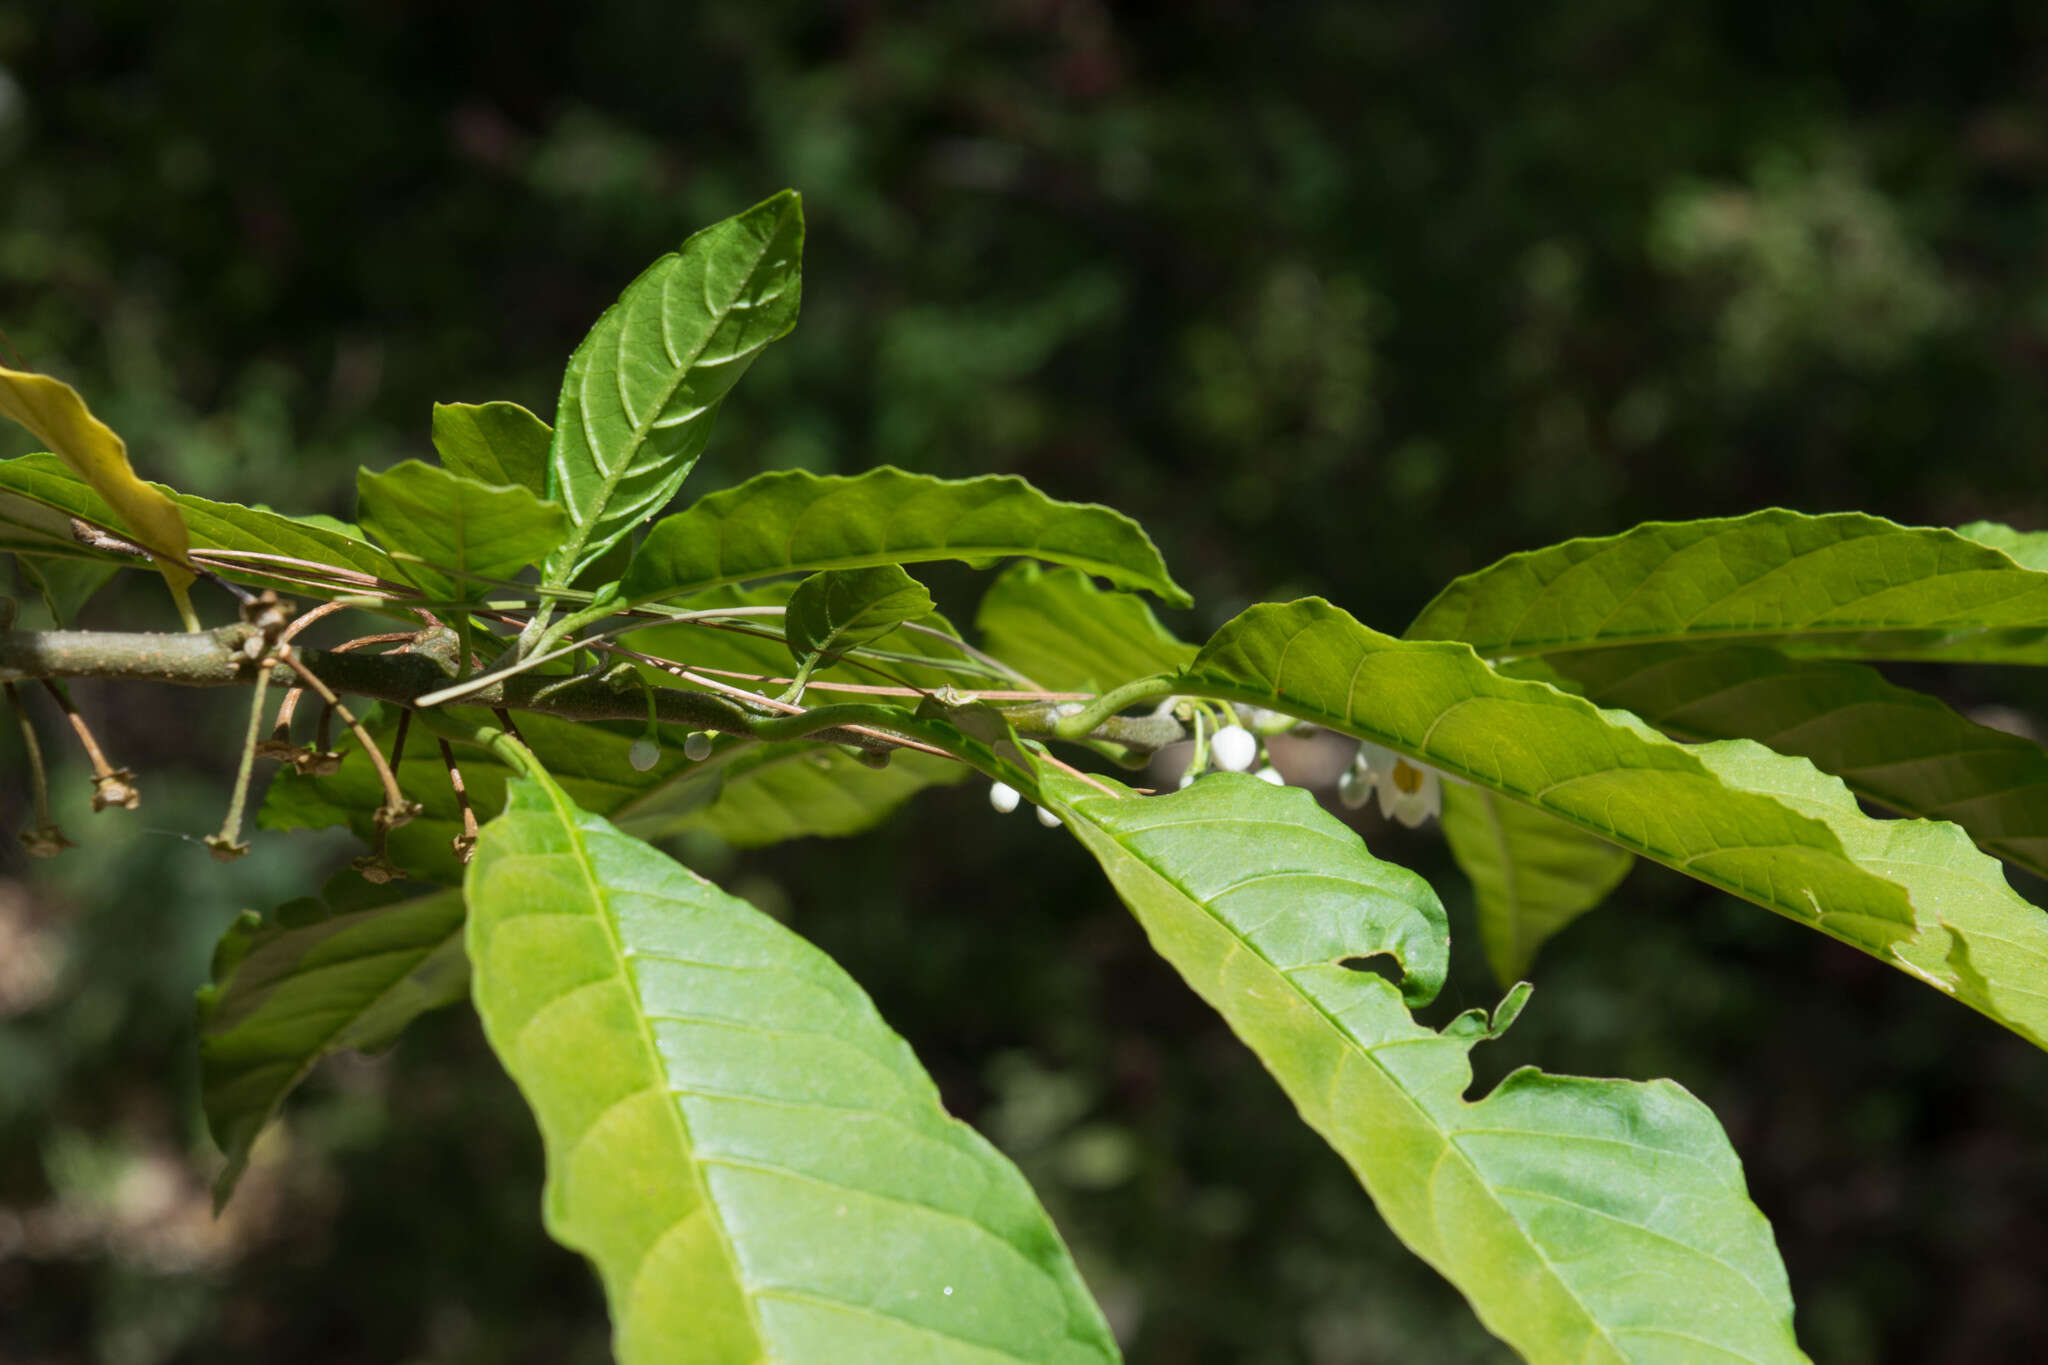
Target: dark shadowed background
[(1343, 299)]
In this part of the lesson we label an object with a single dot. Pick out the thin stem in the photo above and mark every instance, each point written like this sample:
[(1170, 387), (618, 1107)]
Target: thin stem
[(111, 786), (45, 840), (465, 842), (227, 845), (1109, 703), (393, 797)]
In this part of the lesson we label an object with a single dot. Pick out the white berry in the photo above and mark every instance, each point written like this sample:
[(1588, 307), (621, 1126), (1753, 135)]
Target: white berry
[(644, 754), (697, 746), (1233, 748), (1003, 797)]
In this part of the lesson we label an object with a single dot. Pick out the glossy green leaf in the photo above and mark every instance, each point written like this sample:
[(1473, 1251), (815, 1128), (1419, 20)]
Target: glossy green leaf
[(497, 443), (1065, 633), (838, 609), (1760, 825), (254, 539), (1531, 874), (642, 389), (1891, 745), (1584, 1220), (1843, 585), (792, 521), (451, 533), (309, 980), (757, 1166)]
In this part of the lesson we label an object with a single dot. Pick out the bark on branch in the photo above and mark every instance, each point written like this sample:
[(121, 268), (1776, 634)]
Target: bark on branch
[(223, 658)]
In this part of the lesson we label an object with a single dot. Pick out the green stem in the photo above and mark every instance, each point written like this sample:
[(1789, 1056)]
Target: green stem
[(1116, 699)]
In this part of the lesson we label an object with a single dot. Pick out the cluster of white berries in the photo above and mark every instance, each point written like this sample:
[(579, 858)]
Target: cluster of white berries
[(1408, 792), (1005, 798)]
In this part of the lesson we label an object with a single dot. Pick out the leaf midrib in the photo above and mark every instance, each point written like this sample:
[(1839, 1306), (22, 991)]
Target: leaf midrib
[(641, 427), (651, 1054)]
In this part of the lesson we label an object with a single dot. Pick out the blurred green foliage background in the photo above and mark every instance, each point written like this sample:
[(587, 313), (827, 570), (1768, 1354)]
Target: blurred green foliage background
[(1344, 299)]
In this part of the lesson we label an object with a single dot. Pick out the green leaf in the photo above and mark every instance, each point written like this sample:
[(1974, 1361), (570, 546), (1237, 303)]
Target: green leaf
[(1760, 825), (641, 391), (497, 443), (2026, 548), (1066, 634), (309, 980), (1531, 875), (792, 521), (66, 584), (1842, 585), (838, 609), (1891, 745), (1584, 1220), (758, 1167), (450, 531), (251, 537)]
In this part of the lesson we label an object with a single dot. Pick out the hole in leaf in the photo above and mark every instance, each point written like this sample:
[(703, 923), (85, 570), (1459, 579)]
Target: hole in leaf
[(1383, 965)]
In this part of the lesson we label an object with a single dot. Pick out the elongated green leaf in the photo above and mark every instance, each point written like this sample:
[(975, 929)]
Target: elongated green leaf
[(791, 521), (1588, 1222), (450, 531), (758, 1167), (1763, 826), (1891, 745), (254, 538), (641, 392), (311, 979), (1531, 874), (1843, 585), (1063, 632), (833, 611), (500, 443)]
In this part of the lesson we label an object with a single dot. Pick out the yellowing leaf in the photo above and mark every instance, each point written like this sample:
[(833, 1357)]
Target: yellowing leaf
[(55, 414)]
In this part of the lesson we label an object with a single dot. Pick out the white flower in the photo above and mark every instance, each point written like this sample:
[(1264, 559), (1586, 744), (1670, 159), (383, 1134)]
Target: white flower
[(1003, 797), (644, 754), (1271, 775), (1233, 748), (1048, 819), (1408, 791), (697, 745)]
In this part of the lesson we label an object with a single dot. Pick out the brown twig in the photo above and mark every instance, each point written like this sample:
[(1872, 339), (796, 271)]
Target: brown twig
[(111, 786)]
